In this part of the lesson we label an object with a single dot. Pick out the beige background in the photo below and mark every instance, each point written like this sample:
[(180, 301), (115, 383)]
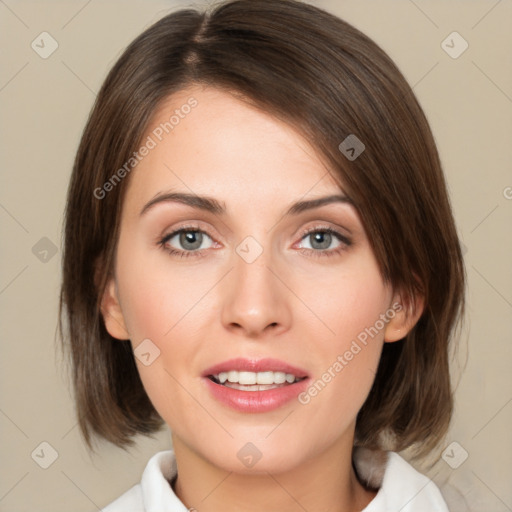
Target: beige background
[(45, 103)]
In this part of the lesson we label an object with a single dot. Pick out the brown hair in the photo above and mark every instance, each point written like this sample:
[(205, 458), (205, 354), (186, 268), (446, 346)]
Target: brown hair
[(328, 80)]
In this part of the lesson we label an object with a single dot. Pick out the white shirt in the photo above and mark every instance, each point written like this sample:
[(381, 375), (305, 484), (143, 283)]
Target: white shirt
[(402, 489)]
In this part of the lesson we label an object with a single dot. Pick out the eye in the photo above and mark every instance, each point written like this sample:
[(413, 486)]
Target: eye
[(186, 242), (324, 241)]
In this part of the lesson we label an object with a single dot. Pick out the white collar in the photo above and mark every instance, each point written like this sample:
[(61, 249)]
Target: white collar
[(401, 487)]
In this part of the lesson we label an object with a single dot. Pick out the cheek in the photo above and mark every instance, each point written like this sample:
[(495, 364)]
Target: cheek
[(157, 295), (346, 356), (155, 306), (351, 302), (162, 303)]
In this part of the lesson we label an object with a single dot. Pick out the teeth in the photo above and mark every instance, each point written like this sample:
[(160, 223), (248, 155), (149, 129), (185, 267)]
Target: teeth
[(250, 378), (233, 376), (280, 377), (290, 378)]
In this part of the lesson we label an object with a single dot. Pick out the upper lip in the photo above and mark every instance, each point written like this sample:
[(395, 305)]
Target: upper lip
[(254, 365)]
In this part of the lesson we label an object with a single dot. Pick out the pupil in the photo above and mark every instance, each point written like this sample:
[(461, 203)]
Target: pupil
[(324, 240), (193, 238)]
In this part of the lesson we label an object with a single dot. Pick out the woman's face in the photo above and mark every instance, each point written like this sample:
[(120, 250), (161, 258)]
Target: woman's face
[(259, 276)]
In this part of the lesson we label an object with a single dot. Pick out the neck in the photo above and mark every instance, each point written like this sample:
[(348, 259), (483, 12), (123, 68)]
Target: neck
[(325, 482)]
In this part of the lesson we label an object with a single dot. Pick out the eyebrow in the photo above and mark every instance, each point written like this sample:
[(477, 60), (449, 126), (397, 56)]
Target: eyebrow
[(211, 205)]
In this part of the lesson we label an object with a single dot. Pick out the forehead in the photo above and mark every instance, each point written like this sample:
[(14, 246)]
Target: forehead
[(207, 141)]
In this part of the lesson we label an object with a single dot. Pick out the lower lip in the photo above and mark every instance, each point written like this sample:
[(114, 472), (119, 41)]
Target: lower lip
[(256, 401)]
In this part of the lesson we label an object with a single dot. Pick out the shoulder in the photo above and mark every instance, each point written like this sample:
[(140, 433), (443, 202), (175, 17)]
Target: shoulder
[(130, 501), (154, 491), (401, 486)]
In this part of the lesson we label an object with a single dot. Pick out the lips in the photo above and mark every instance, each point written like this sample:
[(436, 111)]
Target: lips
[(255, 398)]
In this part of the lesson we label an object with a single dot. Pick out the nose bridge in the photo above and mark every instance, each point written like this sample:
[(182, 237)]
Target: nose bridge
[(255, 298)]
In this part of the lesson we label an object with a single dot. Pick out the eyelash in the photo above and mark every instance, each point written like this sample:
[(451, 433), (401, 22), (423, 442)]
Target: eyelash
[(345, 242)]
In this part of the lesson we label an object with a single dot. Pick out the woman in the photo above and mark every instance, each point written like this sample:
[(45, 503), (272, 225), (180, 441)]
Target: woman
[(277, 273)]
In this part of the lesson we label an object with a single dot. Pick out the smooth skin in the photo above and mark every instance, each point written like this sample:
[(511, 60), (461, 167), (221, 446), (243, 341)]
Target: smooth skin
[(303, 300)]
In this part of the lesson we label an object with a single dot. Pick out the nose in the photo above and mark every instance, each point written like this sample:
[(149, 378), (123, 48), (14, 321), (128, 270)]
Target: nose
[(255, 301)]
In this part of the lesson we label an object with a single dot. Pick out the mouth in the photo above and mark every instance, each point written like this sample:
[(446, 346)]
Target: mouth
[(254, 386)]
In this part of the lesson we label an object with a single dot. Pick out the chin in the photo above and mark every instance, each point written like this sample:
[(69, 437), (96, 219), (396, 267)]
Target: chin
[(260, 456)]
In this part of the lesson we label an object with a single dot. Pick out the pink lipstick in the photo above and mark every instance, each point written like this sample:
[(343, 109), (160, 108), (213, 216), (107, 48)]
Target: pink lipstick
[(255, 386)]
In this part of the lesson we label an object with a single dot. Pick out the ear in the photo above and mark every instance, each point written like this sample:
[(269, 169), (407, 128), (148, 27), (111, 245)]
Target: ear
[(111, 312), (408, 311)]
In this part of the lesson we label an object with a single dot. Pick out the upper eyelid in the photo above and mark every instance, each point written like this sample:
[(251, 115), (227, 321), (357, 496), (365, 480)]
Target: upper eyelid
[(186, 227), (327, 227)]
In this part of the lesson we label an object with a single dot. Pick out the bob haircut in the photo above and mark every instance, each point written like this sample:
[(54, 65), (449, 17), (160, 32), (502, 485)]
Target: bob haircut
[(327, 80)]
